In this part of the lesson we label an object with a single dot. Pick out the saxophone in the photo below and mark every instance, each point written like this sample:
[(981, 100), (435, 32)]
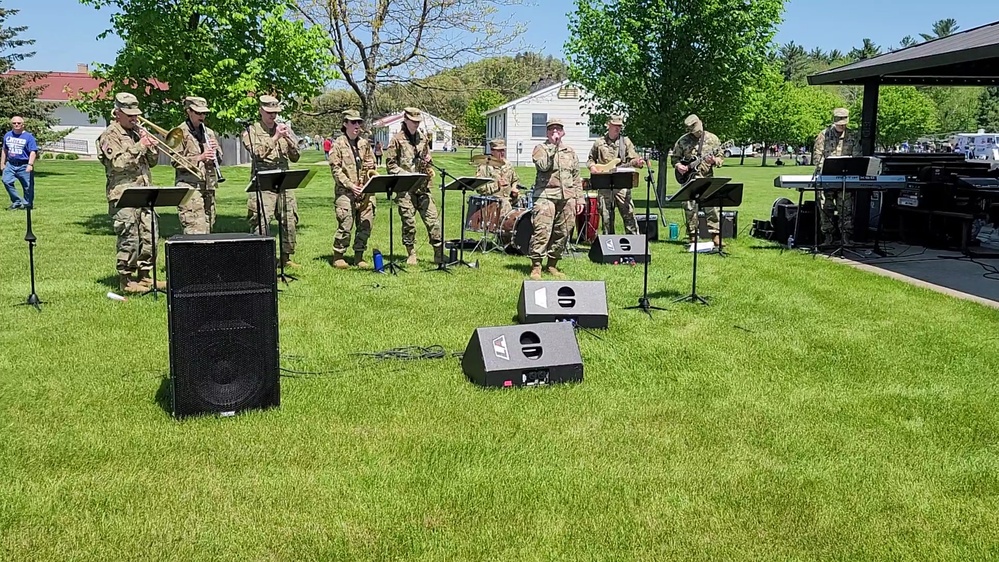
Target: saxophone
[(365, 199)]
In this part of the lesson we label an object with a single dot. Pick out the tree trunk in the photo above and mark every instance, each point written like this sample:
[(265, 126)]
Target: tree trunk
[(742, 159), (766, 147)]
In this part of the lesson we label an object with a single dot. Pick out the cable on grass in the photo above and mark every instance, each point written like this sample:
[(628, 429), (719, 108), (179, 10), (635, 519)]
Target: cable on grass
[(411, 353)]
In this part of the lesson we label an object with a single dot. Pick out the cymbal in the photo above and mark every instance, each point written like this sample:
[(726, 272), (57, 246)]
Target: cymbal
[(488, 160)]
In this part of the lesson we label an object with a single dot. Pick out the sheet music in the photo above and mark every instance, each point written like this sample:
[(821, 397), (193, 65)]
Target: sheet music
[(625, 169)]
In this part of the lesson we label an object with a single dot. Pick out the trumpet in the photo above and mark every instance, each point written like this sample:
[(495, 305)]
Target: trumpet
[(169, 143), (218, 156), (302, 144)]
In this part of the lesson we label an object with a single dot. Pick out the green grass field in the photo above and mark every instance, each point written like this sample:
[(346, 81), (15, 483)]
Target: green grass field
[(813, 412)]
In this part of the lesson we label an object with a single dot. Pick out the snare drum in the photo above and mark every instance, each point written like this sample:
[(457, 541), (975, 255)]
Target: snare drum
[(515, 231), (483, 213)]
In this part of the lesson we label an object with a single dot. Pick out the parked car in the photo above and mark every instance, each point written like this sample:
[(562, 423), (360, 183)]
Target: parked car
[(738, 150)]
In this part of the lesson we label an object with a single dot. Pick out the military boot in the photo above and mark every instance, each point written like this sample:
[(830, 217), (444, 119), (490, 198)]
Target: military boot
[(411, 260), (716, 239), (286, 260), (439, 254), (338, 261), (359, 260), (536, 270), (128, 285), (553, 269), (827, 239), (146, 280), (847, 239)]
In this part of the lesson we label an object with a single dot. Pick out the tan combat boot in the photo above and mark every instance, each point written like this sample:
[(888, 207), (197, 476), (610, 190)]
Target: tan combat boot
[(553, 269), (128, 285), (411, 260), (536, 270), (146, 280), (338, 261), (439, 254), (716, 239), (359, 260), (286, 260)]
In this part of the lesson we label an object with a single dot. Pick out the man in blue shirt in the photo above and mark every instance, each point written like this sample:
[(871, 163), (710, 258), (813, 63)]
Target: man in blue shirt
[(17, 158)]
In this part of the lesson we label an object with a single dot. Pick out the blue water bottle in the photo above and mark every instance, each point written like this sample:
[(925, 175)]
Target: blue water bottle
[(674, 231), (379, 261)]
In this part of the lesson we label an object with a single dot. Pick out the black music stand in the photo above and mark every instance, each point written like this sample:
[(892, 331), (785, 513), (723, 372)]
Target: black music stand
[(614, 180), (31, 239), (462, 184), (389, 184), (842, 166), (148, 198), (280, 182), (643, 302), (696, 190), (726, 195)]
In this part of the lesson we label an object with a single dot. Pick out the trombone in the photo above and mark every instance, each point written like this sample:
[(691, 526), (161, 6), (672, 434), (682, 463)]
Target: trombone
[(169, 143)]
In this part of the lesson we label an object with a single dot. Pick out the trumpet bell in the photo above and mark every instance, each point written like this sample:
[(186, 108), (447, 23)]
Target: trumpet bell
[(175, 137)]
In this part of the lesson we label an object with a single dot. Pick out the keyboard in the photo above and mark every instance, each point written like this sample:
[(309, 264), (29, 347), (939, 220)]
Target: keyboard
[(810, 183)]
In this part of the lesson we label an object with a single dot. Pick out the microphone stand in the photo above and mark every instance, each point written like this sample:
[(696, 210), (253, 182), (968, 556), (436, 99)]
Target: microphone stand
[(30, 238), (643, 302), (443, 265), (461, 242), (261, 219)]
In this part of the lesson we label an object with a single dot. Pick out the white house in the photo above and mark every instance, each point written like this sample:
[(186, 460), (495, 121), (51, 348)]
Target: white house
[(442, 131), (522, 122), (59, 88)]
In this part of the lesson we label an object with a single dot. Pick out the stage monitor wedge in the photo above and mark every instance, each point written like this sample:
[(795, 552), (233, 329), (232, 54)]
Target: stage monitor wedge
[(222, 316), (531, 355), (613, 248), (581, 303)]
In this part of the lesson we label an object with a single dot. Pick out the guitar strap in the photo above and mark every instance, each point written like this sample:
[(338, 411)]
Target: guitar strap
[(620, 148)]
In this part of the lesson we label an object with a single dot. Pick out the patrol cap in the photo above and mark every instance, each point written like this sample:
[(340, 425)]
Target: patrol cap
[(127, 104), (413, 114), (497, 144), (552, 121), (616, 120), (199, 105), (270, 104), (841, 115), (693, 123), (352, 115)]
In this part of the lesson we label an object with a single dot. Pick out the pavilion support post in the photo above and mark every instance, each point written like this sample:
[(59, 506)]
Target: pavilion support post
[(869, 118)]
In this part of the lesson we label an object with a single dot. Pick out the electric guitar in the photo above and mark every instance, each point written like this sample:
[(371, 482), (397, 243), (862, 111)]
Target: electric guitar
[(693, 164)]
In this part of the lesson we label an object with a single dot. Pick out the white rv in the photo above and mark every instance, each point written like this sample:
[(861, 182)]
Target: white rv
[(978, 146)]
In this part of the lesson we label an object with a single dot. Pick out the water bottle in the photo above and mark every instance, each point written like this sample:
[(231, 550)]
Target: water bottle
[(379, 261), (674, 231), (790, 241), (452, 254)]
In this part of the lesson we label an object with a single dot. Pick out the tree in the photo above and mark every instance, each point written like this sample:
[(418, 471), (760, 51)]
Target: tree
[(988, 109), (485, 100), (866, 51), (907, 41), (817, 55), (957, 107), (941, 28), (17, 94), (324, 115), (226, 51), (396, 41), (904, 113), (793, 62), (670, 59)]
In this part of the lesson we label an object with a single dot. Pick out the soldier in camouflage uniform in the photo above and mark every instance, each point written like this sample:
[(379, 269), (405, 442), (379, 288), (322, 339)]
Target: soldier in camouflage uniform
[(612, 146), (557, 199), (350, 159), (409, 151), (272, 147), (201, 148), (505, 180), (835, 140), (127, 153), (693, 144)]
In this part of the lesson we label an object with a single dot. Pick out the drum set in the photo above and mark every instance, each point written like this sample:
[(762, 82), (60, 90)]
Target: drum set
[(510, 231)]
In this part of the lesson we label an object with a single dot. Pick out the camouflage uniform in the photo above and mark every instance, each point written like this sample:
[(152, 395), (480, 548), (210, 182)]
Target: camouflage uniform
[(349, 163), (270, 154), (831, 143), (556, 190), (686, 148), (197, 214), (405, 154), (604, 150), (126, 164)]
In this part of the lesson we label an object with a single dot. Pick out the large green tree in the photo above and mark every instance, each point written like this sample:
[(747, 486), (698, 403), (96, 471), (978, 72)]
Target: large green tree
[(227, 51), (957, 107), (485, 100), (904, 114), (18, 94), (988, 109), (669, 58)]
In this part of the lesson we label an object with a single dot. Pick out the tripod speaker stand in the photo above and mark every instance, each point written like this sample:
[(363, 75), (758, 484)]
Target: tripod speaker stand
[(697, 190)]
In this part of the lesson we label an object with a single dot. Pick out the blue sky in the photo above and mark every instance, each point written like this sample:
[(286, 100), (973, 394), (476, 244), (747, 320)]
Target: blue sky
[(65, 31)]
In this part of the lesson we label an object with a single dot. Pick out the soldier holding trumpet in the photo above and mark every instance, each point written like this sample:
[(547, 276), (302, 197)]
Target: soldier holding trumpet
[(201, 149), (352, 162)]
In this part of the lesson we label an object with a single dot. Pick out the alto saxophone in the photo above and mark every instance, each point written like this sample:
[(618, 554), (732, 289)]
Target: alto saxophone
[(365, 199)]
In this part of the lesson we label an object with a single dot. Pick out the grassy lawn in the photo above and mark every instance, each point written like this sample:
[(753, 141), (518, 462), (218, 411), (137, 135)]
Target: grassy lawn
[(813, 412)]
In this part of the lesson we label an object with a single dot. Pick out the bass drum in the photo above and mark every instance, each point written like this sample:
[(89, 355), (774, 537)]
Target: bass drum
[(515, 231), (588, 223)]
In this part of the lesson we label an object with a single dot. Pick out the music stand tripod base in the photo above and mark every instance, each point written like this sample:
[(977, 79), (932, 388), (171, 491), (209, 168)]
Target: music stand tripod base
[(697, 190), (389, 184), (148, 198)]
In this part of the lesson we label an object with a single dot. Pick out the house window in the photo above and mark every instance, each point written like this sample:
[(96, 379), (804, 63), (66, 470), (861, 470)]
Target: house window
[(539, 128), (440, 136)]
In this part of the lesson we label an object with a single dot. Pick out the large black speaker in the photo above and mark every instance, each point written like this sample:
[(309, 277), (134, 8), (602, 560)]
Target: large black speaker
[(223, 323), (729, 224), (611, 248), (531, 355), (583, 303)]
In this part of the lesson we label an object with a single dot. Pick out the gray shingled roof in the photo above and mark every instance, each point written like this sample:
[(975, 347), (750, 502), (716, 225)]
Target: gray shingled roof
[(968, 58)]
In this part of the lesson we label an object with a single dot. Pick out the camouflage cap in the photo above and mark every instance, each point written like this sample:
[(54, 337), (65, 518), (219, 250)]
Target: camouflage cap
[(840, 115), (552, 121), (413, 114), (127, 104), (270, 104), (616, 120), (199, 105), (497, 144), (352, 115), (693, 123)]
